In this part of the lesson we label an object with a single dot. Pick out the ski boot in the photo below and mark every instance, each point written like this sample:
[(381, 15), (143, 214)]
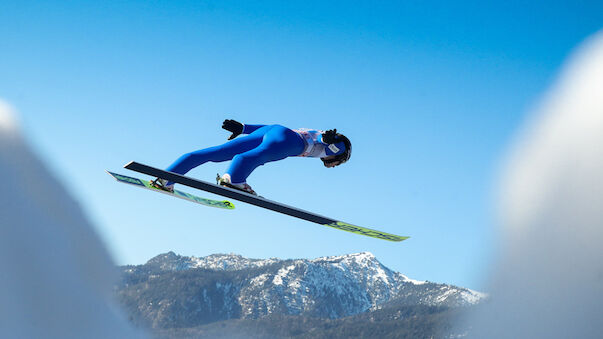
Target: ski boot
[(225, 180), (162, 184)]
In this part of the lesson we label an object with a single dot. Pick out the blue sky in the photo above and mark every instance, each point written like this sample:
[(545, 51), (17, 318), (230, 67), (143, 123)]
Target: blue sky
[(429, 92)]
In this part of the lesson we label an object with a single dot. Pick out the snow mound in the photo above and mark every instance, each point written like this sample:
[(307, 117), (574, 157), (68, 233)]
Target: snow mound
[(548, 283), (56, 275)]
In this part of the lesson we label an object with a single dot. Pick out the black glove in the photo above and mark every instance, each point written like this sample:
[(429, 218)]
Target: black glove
[(233, 126), (330, 136)]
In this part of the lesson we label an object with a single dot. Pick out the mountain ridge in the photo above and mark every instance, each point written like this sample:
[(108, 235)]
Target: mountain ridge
[(174, 294), (330, 287), (363, 266)]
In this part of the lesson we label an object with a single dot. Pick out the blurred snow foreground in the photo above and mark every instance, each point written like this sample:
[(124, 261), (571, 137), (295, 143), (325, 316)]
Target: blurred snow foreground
[(549, 280), (56, 277)]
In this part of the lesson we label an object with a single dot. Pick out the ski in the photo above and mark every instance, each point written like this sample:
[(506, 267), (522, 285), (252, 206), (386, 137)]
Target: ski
[(260, 202), (178, 194)]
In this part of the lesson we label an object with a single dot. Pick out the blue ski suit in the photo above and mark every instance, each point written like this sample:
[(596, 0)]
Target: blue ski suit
[(261, 144)]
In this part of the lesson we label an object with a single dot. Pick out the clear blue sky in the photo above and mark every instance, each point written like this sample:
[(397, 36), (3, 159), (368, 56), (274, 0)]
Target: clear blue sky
[(429, 93)]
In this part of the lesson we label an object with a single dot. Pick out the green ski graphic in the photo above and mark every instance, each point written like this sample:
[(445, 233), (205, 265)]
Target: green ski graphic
[(365, 231), (178, 194)]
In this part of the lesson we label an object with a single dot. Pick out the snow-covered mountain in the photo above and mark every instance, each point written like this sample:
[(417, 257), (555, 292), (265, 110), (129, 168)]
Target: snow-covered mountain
[(326, 287)]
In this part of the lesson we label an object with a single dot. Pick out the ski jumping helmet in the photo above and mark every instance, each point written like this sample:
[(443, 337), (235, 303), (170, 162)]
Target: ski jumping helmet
[(343, 157)]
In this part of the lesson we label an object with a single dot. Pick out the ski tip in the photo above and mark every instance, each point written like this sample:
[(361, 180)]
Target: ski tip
[(366, 231), (228, 205)]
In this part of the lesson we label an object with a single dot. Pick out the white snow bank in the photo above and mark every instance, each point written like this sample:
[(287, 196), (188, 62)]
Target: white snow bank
[(549, 281), (56, 275)]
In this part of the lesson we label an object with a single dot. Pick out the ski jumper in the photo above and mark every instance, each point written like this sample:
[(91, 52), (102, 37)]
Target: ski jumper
[(260, 145)]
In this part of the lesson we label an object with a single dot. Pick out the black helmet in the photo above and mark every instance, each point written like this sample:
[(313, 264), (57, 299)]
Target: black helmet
[(332, 137)]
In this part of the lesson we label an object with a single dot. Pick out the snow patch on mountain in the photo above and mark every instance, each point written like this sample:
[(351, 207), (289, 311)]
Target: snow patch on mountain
[(282, 274), (259, 280), (473, 297)]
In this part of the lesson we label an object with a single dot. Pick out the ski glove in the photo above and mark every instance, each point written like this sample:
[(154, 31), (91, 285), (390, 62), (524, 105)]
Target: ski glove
[(330, 137), (233, 126)]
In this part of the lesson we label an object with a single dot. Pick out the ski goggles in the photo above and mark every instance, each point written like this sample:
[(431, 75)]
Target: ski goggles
[(332, 161)]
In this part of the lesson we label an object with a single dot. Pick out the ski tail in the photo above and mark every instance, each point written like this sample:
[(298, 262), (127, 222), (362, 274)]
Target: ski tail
[(224, 204)]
